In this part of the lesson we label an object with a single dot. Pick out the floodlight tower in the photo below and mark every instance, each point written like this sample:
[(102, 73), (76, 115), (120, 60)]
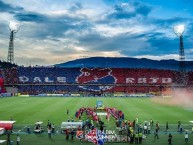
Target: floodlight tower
[(179, 30), (14, 28)]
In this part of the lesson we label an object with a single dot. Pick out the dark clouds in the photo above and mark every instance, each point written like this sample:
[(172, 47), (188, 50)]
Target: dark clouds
[(126, 27), (129, 10), (30, 17), (9, 8), (168, 22)]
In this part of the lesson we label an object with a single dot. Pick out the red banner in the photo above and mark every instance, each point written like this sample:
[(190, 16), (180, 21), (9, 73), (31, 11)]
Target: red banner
[(1, 82)]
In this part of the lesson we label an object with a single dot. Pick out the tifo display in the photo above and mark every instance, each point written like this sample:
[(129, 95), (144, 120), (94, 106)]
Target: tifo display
[(56, 80)]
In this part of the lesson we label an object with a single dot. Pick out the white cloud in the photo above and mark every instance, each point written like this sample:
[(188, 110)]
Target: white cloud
[(159, 57), (6, 17), (34, 5), (109, 31), (111, 54)]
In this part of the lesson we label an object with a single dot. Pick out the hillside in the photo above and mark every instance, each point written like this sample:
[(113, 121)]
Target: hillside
[(125, 62)]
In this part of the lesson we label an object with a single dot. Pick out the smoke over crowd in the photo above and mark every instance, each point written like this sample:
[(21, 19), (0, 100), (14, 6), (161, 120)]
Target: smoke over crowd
[(179, 96)]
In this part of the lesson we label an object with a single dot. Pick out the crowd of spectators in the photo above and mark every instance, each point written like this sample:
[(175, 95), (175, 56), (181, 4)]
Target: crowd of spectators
[(11, 76), (36, 80), (4, 64), (54, 75), (2, 89)]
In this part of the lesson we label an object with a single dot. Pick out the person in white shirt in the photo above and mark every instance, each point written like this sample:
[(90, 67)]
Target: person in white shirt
[(136, 121), (192, 129), (186, 137), (49, 133), (145, 128), (18, 139), (149, 129), (149, 123)]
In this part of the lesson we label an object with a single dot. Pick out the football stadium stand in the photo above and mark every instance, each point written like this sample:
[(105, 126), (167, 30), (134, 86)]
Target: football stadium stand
[(2, 89), (4, 64), (38, 80)]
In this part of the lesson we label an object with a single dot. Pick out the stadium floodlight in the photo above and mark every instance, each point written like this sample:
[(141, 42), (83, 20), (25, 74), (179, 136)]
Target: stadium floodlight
[(14, 28), (179, 30)]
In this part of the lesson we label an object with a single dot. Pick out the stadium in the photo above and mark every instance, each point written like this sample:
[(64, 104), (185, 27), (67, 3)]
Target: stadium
[(96, 81), (76, 103), (45, 93)]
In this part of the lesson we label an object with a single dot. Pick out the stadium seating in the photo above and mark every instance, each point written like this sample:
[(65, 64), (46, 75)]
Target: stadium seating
[(11, 76), (4, 64), (35, 80), (2, 89)]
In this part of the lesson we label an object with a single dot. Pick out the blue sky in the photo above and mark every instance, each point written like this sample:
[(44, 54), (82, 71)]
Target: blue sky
[(54, 31)]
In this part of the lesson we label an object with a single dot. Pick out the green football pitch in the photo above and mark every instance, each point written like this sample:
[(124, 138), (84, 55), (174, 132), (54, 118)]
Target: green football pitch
[(28, 110)]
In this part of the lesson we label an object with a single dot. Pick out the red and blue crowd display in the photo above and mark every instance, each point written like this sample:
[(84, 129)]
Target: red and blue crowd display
[(56, 79)]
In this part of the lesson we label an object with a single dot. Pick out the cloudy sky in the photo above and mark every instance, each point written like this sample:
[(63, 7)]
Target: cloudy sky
[(54, 31)]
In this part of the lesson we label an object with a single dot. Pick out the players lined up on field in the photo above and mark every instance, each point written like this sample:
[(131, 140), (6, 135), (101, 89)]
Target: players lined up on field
[(92, 115), (122, 123)]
